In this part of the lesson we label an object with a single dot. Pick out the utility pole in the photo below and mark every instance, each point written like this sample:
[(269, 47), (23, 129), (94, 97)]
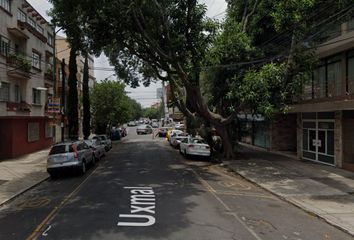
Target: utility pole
[(164, 101), (62, 110)]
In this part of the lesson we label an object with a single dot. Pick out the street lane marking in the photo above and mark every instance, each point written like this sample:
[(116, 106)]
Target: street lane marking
[(45, 233), (56, 209), (212, 192), (140, 196)]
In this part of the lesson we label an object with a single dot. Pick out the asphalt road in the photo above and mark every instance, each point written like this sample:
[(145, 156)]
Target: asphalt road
[(144, 189)]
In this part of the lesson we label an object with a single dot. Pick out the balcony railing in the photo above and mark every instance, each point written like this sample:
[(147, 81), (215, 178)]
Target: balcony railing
[(19, 65), (25, 25)]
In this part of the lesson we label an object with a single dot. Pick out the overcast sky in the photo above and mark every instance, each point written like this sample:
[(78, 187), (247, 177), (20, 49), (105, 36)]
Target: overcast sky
[(146, 96)]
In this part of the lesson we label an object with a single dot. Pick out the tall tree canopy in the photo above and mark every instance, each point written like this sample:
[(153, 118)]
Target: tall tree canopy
[(174, 41)]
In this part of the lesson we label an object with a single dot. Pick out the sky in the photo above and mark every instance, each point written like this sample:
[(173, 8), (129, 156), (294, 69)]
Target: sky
[(146, 96)]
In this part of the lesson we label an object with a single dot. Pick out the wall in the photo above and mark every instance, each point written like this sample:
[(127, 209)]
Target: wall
[(283, 133), (348, 140), (13, 132)]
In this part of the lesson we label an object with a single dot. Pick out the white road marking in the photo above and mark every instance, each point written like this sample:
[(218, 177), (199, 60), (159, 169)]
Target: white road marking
[(45, 233)]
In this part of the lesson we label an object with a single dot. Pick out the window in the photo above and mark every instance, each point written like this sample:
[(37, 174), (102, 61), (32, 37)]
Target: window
[(48, 130), (36, 94), (4, 91), (17, 93), (4, 45), (40, 29), (5, 4), (50, 39), (33, 132), (350, 67), (31, 22), (21, 16), (36, 60), (351, 25)]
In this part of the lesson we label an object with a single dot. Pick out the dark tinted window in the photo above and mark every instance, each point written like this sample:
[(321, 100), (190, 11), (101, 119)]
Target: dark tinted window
[(58, 149)]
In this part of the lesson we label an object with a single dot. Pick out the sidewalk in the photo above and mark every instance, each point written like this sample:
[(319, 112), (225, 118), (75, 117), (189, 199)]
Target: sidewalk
[(325, 191), (19, 174)]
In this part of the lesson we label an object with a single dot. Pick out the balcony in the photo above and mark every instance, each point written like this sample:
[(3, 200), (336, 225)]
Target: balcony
[(18, 107), (19, 66), (25, 25), (18, 33)]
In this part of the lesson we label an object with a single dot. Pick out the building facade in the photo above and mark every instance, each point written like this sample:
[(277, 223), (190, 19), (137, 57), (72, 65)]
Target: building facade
[(320, 125), (26, 79), (325, 114), (63, 52)]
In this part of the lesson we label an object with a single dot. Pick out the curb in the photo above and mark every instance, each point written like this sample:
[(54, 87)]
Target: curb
[(23, 191), (294, 203)]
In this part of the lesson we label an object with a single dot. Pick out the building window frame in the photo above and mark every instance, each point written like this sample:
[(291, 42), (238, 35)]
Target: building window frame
[(6, 5), (17, 93), (36, 59), (4, 91), (4, 45), (21, 16), (31, 22), (36, 97), (50, 40), (40, 29)]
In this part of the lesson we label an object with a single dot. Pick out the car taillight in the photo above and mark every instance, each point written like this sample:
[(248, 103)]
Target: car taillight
[(190, 145), (76, 155)]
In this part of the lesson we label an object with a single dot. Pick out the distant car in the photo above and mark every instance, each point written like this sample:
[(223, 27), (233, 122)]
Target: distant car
[(123, 131), (115, 134), (132, 124), (69, 155), (97, 147), (105, 141), (144, 129), (194, 146), (163, 131), (179, 126), (155, 124)]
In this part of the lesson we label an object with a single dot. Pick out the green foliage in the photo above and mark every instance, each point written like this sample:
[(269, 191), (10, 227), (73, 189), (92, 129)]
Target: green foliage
[(110, 105), (86, 123), (152, 113), (72, 110)]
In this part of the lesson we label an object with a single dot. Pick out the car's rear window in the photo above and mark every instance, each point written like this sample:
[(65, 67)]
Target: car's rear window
[(198, 141), (58, 149)]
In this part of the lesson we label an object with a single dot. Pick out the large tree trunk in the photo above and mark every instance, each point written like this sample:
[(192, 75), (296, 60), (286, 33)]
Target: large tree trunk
[(227, 148)]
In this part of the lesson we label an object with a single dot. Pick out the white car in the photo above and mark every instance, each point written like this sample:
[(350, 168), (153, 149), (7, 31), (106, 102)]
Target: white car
[(174, 133), (176, 140), (194, 146)]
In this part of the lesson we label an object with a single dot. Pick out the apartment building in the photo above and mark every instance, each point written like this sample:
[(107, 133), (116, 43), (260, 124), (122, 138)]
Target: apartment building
[(320, 125), (63, 52), (26, 79), (325, 115)]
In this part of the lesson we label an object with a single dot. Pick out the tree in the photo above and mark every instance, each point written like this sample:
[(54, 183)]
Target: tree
[(152, 113), (73, 97), (110, 105), (136, 111), (171, 40), (86, 123)]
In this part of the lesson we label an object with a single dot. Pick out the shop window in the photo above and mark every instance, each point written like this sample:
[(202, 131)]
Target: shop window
[(33, 132)]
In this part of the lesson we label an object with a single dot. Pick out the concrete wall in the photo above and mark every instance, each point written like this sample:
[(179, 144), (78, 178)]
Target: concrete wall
[(338, 141), (348, 140)]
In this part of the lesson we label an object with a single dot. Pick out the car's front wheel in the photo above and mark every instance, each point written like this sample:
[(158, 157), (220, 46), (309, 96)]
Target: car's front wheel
[(83, 168)]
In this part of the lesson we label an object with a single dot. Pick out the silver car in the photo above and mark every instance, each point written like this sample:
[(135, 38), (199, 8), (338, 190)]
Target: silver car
[(105, 141), (144, 129), (97, 147), (194, 146), (69, 155)]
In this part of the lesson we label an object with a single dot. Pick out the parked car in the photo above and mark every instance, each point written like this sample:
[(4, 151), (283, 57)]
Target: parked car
[(194, 146), (132, 124), (69, 155), (163, 131), (115, 134), (97, 148), (144, 129), (155, 124), (174, 133), (179, 126), (171, 131), (105, 141), (123, 131), (176, 140)]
